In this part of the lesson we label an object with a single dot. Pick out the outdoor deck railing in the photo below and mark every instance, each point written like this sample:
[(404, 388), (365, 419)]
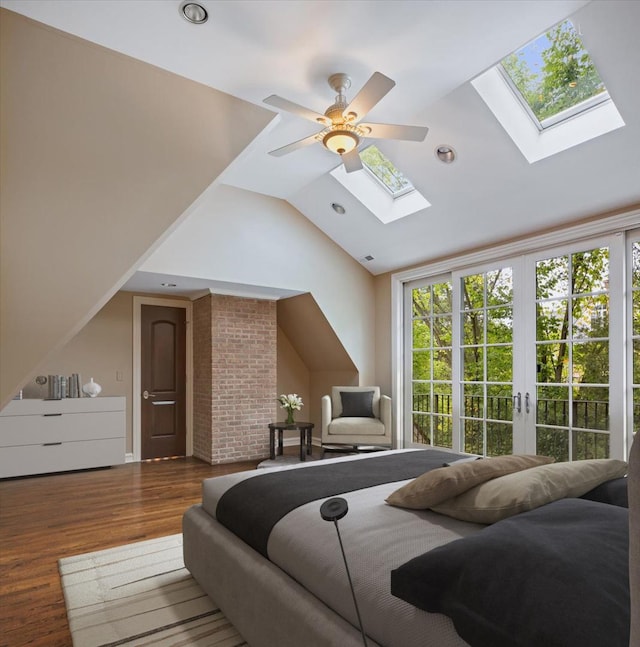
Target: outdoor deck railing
[(553, 417)]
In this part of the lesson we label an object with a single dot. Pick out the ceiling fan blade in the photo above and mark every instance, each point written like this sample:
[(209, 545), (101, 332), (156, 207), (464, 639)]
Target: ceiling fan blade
[(352, 161), (372, 91), (294, 146), (284, 104), (391, 131)]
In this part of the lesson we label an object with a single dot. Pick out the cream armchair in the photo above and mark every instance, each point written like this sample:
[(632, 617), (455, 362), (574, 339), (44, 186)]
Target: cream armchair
[(356, 415)]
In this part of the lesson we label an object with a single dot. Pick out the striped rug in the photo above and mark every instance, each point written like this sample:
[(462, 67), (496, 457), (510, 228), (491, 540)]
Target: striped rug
[(140, 594)]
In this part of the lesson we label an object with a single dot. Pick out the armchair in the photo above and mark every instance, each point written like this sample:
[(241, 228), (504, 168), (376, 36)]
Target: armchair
[(356, 415)]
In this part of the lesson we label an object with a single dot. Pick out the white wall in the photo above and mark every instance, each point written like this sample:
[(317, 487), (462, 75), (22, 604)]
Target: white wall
[(243, 237)]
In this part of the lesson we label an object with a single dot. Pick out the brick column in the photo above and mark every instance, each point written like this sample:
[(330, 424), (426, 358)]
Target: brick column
[(234, 377)]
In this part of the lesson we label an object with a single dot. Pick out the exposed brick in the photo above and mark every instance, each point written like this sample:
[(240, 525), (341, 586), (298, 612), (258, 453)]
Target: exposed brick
[(234, 377)]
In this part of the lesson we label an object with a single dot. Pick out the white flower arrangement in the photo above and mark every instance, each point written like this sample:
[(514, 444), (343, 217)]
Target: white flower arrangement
[(290, 402)]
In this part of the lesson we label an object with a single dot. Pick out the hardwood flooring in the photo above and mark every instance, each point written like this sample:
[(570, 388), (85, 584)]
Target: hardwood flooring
[(45, 518)]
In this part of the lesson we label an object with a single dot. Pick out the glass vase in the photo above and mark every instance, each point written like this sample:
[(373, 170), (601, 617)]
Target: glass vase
[(289, 416)]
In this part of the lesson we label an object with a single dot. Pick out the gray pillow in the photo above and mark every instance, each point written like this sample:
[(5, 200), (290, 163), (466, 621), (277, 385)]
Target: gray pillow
[(357, 404)]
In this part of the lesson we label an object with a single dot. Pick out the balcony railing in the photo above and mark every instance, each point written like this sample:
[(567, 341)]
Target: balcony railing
[(588, 418), (586, 414)]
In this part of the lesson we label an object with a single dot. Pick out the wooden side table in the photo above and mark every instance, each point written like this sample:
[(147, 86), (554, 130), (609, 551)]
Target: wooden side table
[(305, 429)]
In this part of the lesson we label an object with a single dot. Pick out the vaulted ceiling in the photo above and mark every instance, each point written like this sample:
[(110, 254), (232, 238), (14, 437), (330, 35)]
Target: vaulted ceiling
[(432, 50)]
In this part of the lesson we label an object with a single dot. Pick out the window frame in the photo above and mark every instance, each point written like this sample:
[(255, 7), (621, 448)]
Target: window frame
[(618, 225)]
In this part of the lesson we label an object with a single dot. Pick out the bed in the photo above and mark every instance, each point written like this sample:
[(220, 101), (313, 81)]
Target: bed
[(259, 547)]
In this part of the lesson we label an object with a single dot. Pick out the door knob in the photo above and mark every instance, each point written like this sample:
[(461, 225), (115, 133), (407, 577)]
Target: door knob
[(146, 395)]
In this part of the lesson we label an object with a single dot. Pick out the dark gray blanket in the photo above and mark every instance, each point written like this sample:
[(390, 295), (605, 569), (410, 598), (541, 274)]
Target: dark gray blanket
[(557, 576), (251, 508)]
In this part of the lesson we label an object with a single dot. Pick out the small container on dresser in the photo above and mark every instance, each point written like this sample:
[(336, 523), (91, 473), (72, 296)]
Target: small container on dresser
[(43, 436)]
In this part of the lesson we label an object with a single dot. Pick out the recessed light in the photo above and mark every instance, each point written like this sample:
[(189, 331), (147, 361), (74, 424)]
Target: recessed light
[(445, 154), (338, 208), (168, 285), (194, 13)]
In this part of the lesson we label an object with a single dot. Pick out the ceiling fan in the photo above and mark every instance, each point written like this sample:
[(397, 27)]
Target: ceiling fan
[(342, 126)]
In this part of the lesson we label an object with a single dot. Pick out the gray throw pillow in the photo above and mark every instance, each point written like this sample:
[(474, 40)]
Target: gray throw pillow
[(357, 404)]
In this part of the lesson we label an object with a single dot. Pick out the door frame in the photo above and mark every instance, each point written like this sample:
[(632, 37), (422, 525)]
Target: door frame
[(138, 302)]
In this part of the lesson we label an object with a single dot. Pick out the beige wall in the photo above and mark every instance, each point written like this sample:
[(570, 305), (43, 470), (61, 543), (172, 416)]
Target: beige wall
[(102, 350), (96, 165), (384, 377), (293, 377)]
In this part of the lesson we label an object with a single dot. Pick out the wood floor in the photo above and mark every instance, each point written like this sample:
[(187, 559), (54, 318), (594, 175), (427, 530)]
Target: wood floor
[(48, 517)]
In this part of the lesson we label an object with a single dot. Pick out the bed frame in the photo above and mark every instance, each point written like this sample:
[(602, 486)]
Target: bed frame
[(266, 605)]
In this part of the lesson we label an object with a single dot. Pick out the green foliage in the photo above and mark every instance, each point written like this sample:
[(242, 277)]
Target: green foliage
[(384, 169), (572, 357), (568, 75)]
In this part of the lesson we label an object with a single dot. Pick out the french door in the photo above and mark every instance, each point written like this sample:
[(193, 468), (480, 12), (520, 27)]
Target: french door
[(522, 355)]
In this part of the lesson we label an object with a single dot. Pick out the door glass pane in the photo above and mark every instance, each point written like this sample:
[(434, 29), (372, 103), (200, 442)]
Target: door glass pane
[(572, 305), (500, 363), (473, 326), (474, 364), (587, 444), (486, 320), (591, 316), (552, 363), (553, 406), (500, 324), (591, 362), (553, 442), (422, 365), (499, 402), (431, 364), (500, 438), (551, 321)]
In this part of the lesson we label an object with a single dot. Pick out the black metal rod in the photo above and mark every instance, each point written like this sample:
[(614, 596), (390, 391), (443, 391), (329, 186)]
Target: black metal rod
[(353, 593)]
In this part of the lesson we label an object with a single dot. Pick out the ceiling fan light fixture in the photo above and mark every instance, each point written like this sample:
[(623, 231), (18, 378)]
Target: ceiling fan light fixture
[(194, 13), (340, 141)]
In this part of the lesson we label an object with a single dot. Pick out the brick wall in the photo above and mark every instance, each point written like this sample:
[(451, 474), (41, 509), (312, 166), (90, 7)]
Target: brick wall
[(201, 330), (235, 354)]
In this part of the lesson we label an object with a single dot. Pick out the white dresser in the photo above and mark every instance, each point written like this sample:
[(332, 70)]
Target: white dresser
[(40, 436)]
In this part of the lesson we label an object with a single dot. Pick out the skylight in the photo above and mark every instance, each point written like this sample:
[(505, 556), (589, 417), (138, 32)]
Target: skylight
[(385, 171), (554, 76), (551, 81), (381, 187)]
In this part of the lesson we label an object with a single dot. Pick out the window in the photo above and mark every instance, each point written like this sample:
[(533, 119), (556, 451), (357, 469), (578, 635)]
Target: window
[(549, 82), (520, 349), (635, 333), (385, 171), (554, 76), (431, 365), (381, 187)]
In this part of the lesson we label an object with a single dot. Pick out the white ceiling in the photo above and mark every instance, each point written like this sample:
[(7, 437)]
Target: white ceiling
[(431, 49)]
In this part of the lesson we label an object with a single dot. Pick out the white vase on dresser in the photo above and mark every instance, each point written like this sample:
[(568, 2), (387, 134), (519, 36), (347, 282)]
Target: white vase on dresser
[(43, 436)]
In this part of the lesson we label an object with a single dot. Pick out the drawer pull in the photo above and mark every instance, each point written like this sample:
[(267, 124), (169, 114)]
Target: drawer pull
[(50, 444), (50, 415)]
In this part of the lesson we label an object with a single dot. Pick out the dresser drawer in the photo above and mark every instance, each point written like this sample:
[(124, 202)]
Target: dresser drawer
[(60, 427), (29, 407), (43, 459)]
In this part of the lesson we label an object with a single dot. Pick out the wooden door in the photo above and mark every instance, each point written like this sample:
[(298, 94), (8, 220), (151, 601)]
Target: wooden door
[(163, 372)]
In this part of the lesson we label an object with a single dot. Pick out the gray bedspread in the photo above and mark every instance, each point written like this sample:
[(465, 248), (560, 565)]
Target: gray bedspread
[(377, 538)]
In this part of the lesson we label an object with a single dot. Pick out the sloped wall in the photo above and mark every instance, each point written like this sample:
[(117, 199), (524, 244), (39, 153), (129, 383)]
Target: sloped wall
[(247, 238), (98, 160)]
